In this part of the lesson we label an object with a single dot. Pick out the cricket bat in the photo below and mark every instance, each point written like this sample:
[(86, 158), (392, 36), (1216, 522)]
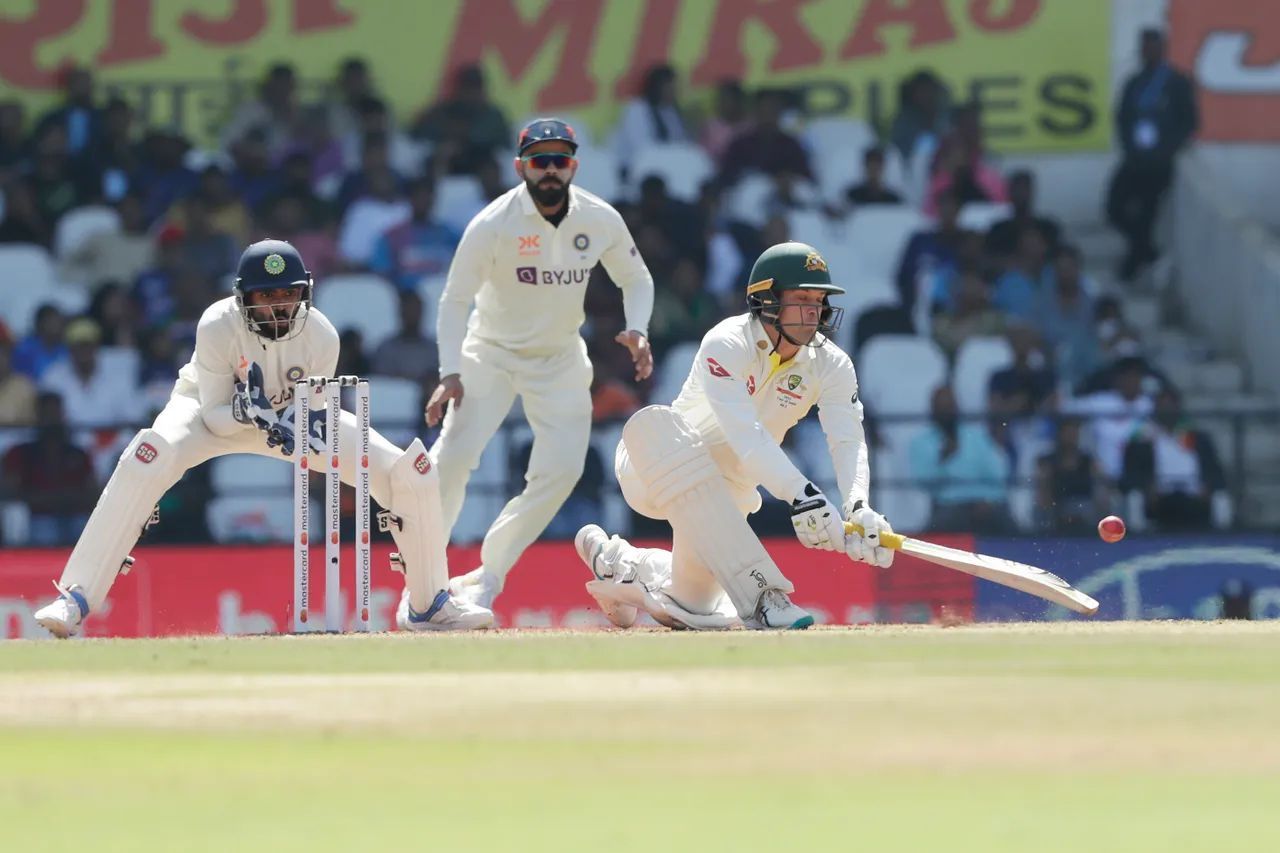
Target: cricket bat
[(1019, 576)]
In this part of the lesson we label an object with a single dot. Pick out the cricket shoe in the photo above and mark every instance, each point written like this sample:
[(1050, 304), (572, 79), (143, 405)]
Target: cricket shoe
[(476, 587), (446, 613), (601, 552), (777, 612), (62, 617)]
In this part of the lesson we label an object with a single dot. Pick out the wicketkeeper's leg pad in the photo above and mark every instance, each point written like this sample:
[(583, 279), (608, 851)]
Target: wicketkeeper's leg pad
[(416, 523), (682, 480)]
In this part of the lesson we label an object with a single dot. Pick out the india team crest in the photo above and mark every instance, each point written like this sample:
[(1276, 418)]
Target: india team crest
[(581, 242), (813, 262), (273, 264), (293, 374)]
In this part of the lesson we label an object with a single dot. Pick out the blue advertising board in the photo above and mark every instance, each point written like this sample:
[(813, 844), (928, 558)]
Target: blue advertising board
[(1140, 578)]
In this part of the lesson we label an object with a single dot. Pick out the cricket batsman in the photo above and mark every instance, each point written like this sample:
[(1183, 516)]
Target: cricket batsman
[(524, 262), (235, 396), (698, 462)]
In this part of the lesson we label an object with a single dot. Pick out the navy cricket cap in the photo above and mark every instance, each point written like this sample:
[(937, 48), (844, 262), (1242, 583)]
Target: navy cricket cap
[(271, 263), (546, 130)]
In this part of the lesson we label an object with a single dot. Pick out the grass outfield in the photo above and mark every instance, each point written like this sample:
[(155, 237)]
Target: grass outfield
[(1147, 736)]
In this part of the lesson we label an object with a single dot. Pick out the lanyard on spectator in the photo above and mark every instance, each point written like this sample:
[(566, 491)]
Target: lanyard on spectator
[(1151, 92)]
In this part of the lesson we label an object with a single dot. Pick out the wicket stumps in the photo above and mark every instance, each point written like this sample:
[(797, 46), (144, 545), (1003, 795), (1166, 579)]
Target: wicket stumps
[(329, 392)]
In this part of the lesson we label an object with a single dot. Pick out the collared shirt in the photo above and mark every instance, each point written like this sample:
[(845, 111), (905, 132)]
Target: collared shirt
[(225, 346), (528, 278), (740, 396)]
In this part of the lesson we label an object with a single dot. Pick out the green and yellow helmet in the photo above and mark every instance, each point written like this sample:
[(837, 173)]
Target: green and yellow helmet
[(791, 266)]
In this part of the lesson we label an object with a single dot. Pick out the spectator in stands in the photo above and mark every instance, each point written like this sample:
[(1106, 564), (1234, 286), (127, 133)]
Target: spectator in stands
[(924, 108), (17, 392), (254, 178), (376, 122), (964, 471), (350, 87), (298, 181), (91, 395), (1155, 119), (1173, 467), (119, 256), (1114, 415), (1018, 288), (972, 316), (1065, 317), (651, 118), (408, 354), (287, 218), (45, 346), (1071, 493), (680, 222), (1002, 239), (1112, 328), (466, 128), (765, 147), (1025, 387), (203, 249), (872, 190), (682, 310), (153, 289), (728, 120), (221, 207), (418, 248), (52, 476), (375, 160), (163, 177), (77, 117), (380, 207), (13, 137), (20, 218), (961, 165), (159, 363), (52, 178), (315, 145), (928, 253), (116, 316), (271, 115), (352, 360), (105, 170)]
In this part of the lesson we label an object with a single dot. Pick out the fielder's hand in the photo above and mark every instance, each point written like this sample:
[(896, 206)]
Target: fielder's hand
[(816, 521), (449, 390), (641, 354), (249, 403), (866, 546)]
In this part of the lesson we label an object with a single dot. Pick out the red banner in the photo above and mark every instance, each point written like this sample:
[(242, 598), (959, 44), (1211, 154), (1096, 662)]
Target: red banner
[(249, 590)]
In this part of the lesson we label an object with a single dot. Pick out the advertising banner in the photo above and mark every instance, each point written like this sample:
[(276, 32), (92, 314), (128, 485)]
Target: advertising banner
[(1041, 69), (1142, 577)]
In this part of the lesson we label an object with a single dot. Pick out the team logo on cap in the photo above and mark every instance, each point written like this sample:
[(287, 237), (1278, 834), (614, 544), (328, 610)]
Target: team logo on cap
[(813, 262), (273, 264)]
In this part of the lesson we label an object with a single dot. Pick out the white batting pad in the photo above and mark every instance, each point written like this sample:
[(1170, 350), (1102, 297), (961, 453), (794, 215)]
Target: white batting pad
[(420, 537)]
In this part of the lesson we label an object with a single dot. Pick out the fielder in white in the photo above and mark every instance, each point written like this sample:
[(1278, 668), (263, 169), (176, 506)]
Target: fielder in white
[(524, 261), (235, 396), (698, 462)]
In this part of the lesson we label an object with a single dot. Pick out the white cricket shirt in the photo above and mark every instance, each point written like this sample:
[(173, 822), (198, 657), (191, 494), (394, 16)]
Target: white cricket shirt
[(740, 395), (528, 278), (225, 345)]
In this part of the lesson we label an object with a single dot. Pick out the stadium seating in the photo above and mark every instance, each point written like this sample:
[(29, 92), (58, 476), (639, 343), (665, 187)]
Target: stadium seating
[(976, 361), (898, 374), (598, 173), (78, 225), (250, 474), (252, 518), (29, 282), (981, 215), (878, 234), (684, 167), (395, 408), (458, 199), (361, 301)]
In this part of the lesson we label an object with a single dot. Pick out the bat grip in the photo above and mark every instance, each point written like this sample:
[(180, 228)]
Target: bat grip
[(887, 540)]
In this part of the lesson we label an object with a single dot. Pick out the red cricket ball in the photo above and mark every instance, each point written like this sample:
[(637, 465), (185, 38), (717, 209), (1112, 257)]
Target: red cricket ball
[(1111, 528)]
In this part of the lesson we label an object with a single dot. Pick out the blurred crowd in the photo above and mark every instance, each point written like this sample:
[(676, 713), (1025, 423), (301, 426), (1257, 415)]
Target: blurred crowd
[(1080, 413)]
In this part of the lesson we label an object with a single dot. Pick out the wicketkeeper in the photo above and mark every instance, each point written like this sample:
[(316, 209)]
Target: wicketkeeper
[(236, 396), (698, 462)]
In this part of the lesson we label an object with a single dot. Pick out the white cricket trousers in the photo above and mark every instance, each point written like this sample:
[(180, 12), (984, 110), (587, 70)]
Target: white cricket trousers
[(555, 389)]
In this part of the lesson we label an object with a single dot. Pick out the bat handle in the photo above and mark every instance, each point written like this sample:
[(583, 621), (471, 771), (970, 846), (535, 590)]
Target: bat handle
[(887, 540)]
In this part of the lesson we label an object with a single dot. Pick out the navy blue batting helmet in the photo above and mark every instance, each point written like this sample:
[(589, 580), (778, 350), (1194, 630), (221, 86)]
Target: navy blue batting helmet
[(268, 265), (546, 130)]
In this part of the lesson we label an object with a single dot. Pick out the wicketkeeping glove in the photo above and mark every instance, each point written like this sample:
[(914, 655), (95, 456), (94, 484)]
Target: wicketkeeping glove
[(281, 433), (816, 521), (249, 402), (866, 546)]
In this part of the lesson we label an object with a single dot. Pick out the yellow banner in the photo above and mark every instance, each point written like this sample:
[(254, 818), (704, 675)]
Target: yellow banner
[(1040, 69)]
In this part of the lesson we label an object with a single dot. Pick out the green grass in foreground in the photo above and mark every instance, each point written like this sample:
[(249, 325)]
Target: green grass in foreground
[(1146, 737)]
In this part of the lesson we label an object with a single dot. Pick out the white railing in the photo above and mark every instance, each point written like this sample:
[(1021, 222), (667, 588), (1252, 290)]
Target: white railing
[(1228, 270)]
